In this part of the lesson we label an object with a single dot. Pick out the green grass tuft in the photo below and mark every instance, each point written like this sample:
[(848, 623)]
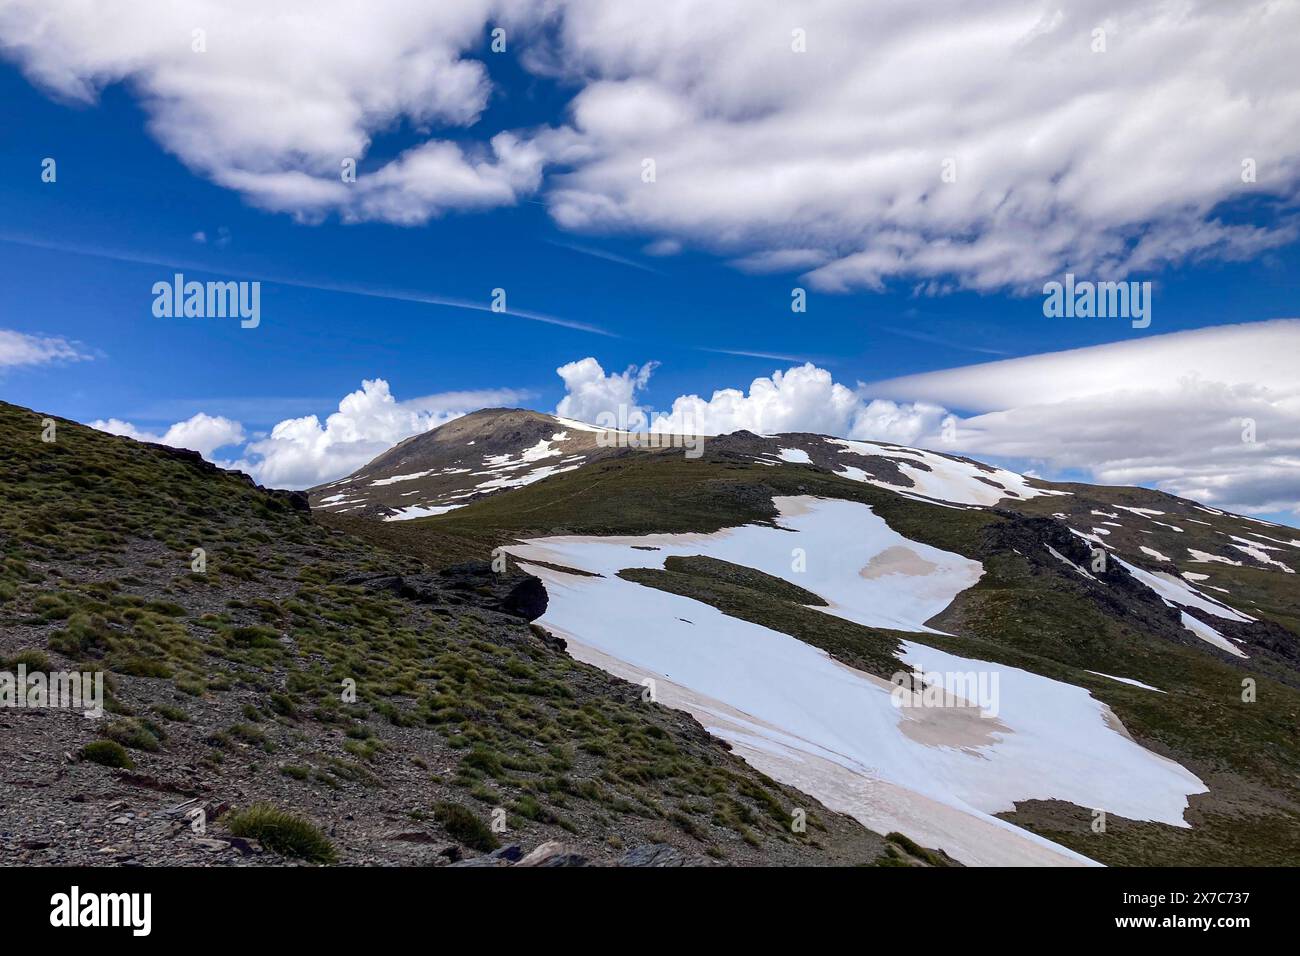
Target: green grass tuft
[(282, 832), (108, 753)]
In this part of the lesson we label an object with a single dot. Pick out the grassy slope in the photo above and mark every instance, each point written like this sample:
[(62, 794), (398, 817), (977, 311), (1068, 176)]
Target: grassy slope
[(1032, 614), (229, 681)]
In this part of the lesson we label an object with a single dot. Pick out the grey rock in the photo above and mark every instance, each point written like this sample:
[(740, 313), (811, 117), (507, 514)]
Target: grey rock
[(653, 854), (481, 861)]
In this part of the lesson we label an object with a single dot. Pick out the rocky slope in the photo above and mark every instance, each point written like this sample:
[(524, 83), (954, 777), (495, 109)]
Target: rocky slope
[(232, 629)]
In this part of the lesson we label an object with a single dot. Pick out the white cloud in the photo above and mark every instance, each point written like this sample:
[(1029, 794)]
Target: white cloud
[(589, 392), (301, 452), (281, 94), (19, 348), (830, 160), (826, 161), (1259, 353), (202, 433), (802, 398)]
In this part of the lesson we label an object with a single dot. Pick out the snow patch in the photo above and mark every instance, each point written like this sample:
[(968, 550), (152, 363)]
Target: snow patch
[(948, 479), (833, 731), (1128, 680), (1257, 552), (420, 511), (1209, 634), (1204, 557), (396, 478)]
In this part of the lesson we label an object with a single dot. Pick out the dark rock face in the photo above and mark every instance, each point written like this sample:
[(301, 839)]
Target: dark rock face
[(527, 600), (655, 854), (1123, 596), (519, 595)]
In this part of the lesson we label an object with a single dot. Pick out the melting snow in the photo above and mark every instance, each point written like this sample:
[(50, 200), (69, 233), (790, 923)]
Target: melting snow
[(1257, 551), (947, 479), (1206, 558), (420, 511), (1173, 591), (396, 478), (1294, 543), (938, 774), (1152, 552), (796, 455), (583, 426), (1209, 634), (1128, 680), (1062, 557)]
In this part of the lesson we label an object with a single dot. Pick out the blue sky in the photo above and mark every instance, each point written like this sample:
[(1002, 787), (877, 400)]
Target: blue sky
[(78, 258)]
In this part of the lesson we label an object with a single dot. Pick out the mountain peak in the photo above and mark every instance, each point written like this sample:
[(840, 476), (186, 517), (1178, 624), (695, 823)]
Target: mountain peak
[(469, 457)]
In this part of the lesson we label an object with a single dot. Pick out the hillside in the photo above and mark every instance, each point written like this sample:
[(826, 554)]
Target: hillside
[(1147, 646), (226, 692), (479, 454)]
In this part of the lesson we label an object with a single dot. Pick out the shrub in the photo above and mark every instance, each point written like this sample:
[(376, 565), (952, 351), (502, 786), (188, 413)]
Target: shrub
[(282, 832), (465, 827), (109, 753), (168, 712), (35, 660), (128, 733)]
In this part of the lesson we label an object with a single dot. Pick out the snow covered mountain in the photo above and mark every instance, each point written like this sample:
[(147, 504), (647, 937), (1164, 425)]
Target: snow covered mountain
[(1011, 670), (494, 450)]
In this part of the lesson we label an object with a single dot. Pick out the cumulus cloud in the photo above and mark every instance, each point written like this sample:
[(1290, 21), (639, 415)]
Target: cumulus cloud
[(202, 433), (589, 392), (301, 452), (803, 398), (829, 162), (19, 348)]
